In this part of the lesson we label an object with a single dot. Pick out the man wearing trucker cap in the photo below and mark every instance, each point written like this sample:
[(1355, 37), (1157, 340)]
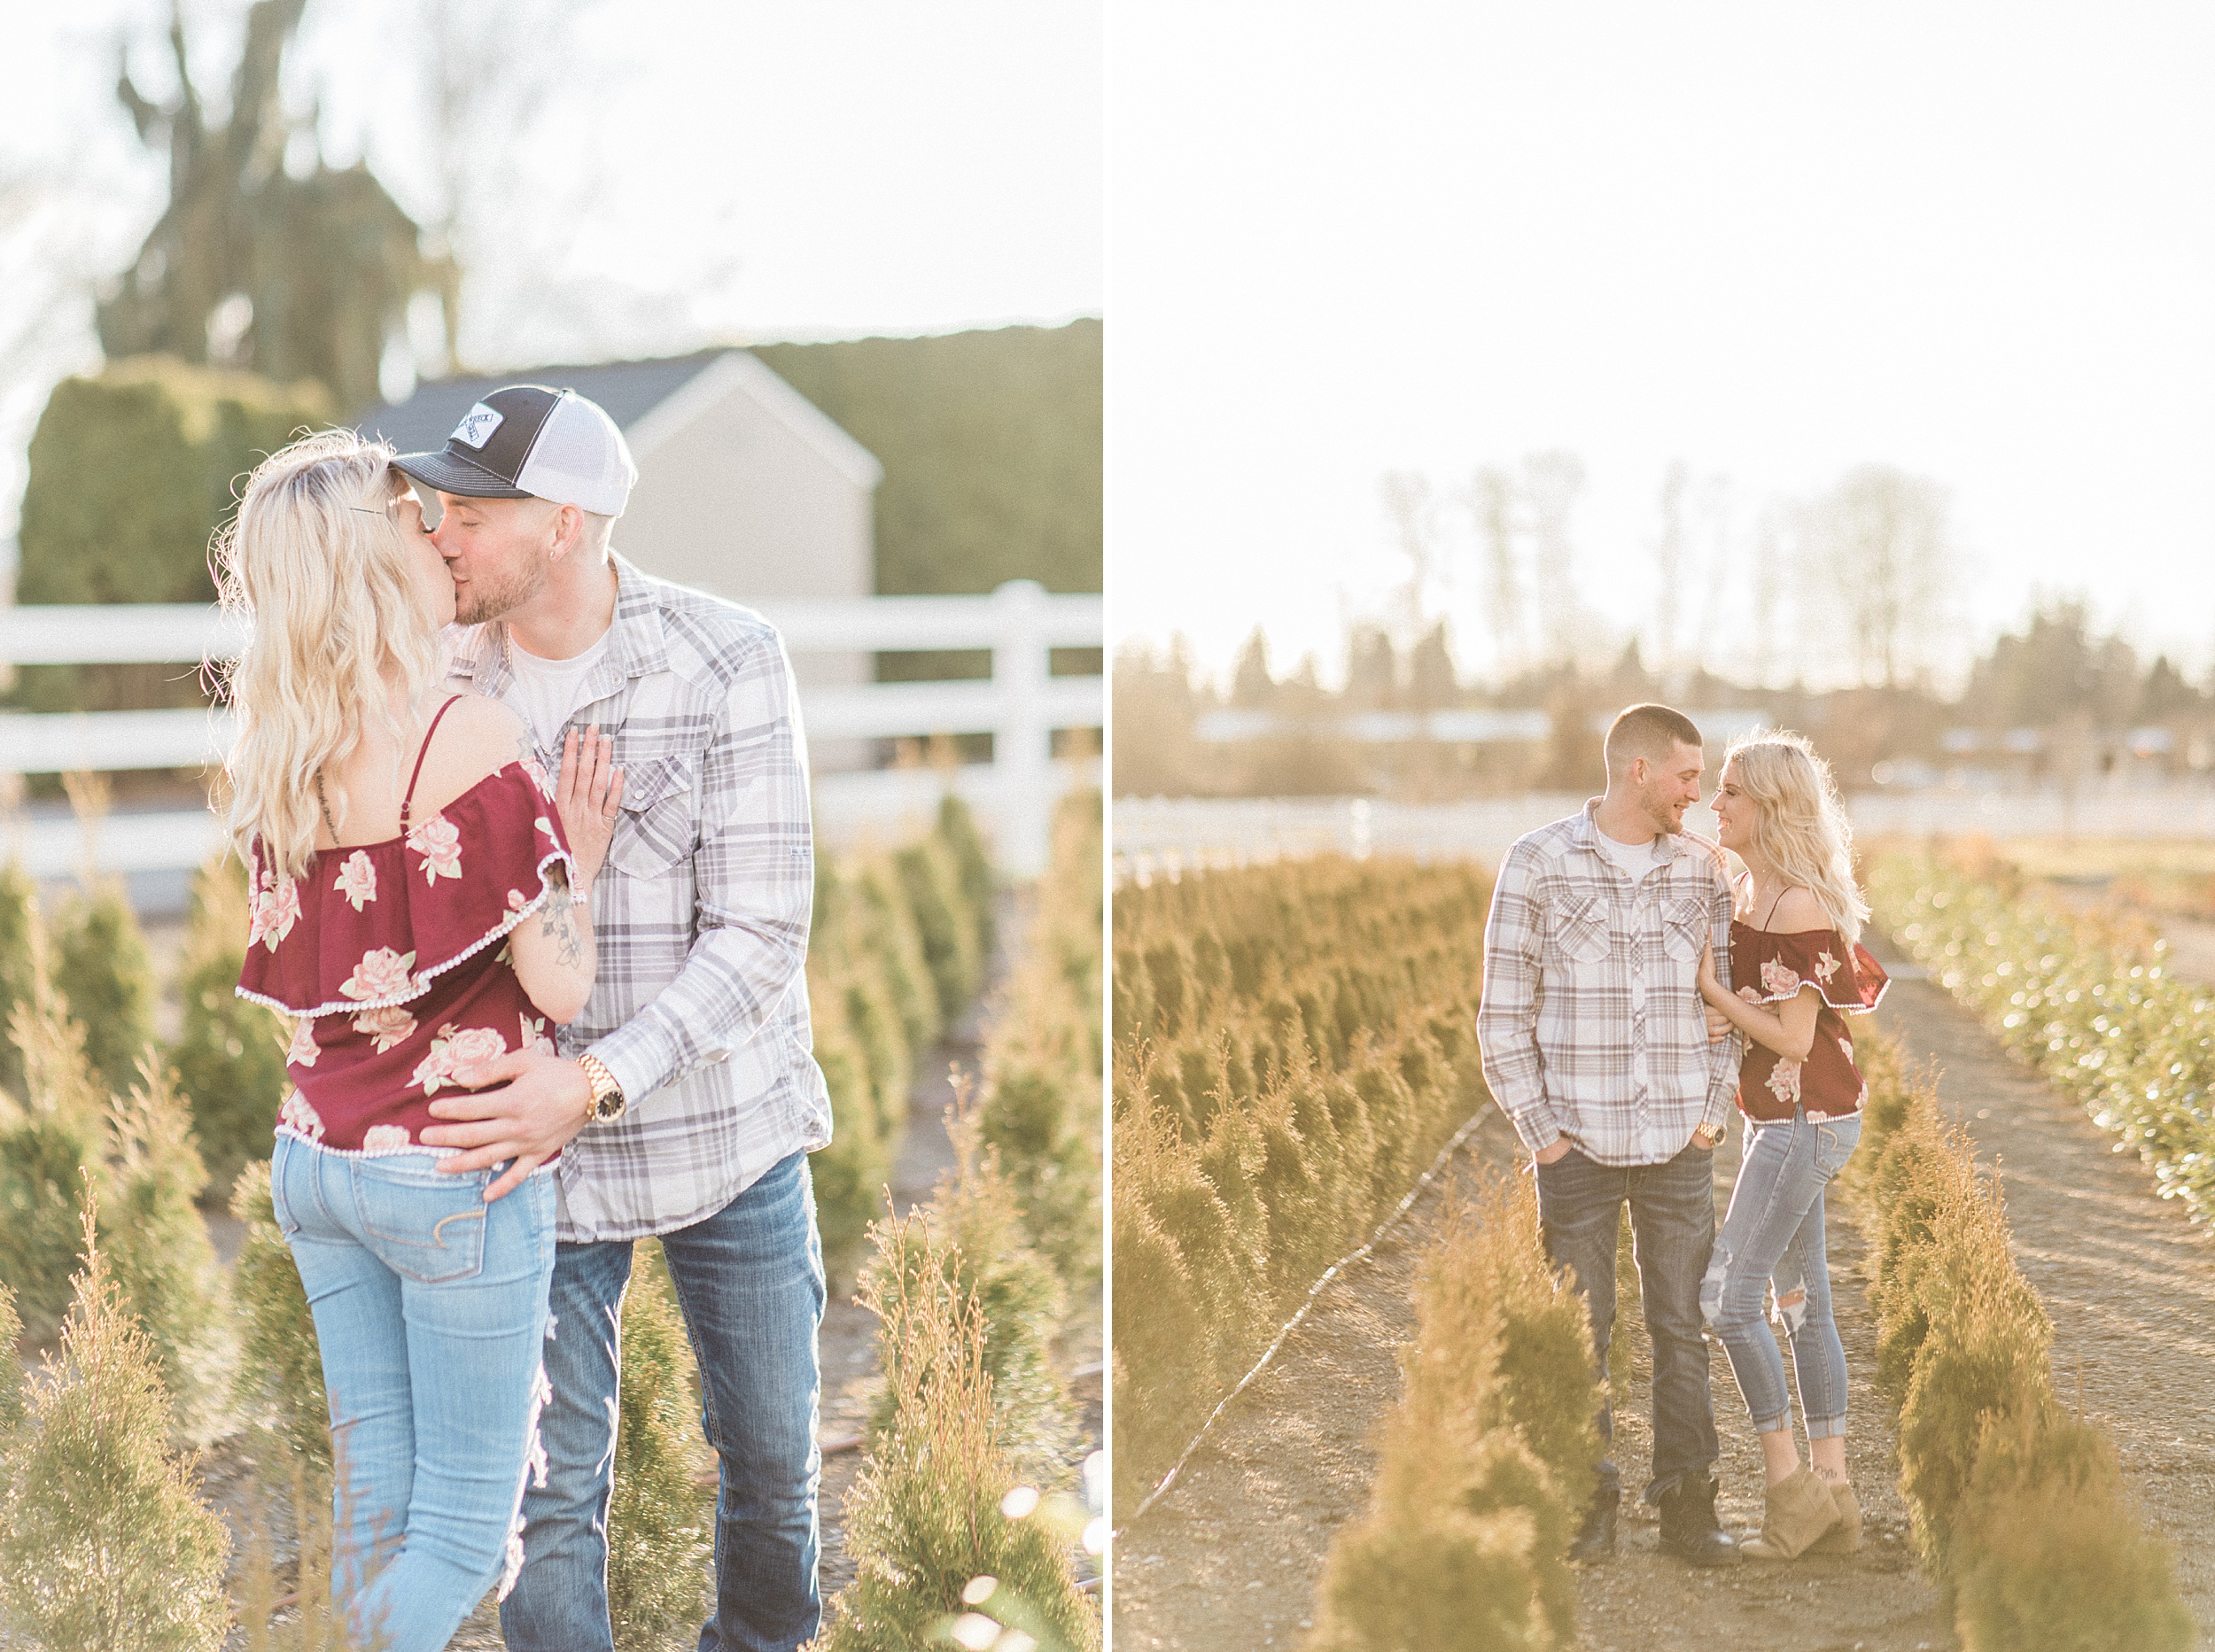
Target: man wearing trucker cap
[(684, 1100)]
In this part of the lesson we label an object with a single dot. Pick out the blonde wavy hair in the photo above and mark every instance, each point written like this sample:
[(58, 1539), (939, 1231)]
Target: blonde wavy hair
[(317, 563), (1798, 822)]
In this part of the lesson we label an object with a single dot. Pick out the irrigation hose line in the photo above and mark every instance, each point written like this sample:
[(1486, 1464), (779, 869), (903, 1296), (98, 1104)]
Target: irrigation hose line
[(1445, 1153)]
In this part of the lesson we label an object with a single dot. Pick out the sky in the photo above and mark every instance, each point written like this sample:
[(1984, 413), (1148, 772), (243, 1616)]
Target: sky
[(686, 173), (1975, 243)]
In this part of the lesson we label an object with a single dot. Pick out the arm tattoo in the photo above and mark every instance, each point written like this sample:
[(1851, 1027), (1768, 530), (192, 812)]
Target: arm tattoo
[(561, 929)]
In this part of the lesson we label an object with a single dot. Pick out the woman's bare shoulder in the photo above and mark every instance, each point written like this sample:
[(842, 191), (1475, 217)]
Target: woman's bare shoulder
[(477, 737), (1799, 910)]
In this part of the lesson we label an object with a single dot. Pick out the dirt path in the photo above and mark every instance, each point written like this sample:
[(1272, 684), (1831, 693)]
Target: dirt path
[(1229, 1561), (2129, 1282)]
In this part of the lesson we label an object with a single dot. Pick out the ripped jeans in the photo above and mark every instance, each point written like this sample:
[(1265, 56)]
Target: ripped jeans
[(430, 1310), (1771, 1250)]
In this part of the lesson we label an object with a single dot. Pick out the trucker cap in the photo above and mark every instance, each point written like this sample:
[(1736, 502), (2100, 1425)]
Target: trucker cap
[(525, 441)]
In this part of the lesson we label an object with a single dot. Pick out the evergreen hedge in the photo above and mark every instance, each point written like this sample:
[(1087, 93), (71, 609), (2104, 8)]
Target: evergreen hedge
[(896, 954), (2087, 1000), (132, 469), (991, 443), (1292, 1044), (2018, 1509), (1486, 1465)]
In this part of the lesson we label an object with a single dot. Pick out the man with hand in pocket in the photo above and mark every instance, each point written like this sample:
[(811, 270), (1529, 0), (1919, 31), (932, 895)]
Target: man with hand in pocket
[(1597, 1045), (685, 1099)]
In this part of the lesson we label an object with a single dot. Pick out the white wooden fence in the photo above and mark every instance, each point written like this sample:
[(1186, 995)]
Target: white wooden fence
[(1020, 706)]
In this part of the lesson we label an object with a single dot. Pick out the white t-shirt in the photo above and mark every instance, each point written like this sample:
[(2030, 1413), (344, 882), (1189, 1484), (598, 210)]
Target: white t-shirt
[(548, 692), (1638, 859)]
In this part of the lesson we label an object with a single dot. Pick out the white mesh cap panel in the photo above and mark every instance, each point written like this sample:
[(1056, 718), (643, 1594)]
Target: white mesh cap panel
[(581, 459)]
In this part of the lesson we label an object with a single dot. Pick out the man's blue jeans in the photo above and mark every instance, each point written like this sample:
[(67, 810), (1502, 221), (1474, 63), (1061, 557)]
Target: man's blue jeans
[(430, 1310), (750, 1281), (1672, 1232)]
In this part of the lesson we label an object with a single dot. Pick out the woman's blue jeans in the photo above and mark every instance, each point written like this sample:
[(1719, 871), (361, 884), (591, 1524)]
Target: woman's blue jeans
[(1770, 1252), (430, 1310)]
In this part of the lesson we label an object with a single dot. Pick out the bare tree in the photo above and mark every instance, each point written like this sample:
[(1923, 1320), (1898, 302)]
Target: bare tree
[(1552, 482), (1877, 546), (1491, 498), (1668, 563), (1408, 502), (489, 74)]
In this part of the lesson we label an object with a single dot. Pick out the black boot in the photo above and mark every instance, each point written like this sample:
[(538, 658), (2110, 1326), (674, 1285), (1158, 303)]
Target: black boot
[(1689, 1528), (1597, 1540)]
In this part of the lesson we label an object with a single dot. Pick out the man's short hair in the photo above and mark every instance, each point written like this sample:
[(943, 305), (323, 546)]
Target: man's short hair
[(1652, 732)]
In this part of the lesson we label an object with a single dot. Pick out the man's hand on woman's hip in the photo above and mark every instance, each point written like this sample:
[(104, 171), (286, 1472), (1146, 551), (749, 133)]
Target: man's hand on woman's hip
[(543, 1104)]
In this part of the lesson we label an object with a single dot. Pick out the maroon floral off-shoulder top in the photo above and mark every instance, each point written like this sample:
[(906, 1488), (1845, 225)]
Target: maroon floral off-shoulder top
[(1771, 967), (390, 956)]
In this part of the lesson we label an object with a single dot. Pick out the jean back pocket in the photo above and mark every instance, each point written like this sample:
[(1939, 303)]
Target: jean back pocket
[(420, 1223)]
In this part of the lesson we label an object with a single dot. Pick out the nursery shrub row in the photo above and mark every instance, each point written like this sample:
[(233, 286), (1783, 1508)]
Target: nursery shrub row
[(2018, 1506), (1292, 1043), (1039, 1091), (962, 1510), (2087, 1000), (1486, 1465), (897, 953)]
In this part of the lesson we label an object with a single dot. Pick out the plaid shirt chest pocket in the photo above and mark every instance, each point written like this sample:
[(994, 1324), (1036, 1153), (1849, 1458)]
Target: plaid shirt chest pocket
[(659, 823), (1579, 931), (1684, 925)]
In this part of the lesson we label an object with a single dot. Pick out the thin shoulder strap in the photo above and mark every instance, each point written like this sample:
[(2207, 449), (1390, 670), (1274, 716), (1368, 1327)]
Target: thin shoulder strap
[(1773, 904), (422, 752)]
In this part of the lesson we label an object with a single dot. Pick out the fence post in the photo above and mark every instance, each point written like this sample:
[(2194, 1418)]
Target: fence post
[(1023, 745)]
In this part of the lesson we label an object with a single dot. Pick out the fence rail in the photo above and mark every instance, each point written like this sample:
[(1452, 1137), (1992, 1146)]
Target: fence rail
[(1020, 705)]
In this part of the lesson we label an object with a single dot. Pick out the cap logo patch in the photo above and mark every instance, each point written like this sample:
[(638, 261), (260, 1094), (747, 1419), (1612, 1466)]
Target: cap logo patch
[(478, 426)]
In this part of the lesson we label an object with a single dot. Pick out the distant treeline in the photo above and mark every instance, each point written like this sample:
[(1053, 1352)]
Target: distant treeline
[(2053, 699)]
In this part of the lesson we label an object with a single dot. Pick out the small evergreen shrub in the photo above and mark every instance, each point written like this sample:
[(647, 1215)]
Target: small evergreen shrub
[(972, 1230), (158, 1247), (885, 927), (104, 1541), (850, 1173), (931, 881), (229, 1054), (47, 1143), (104, 975), (973, 864), (1039, 1106), (18, 910), (926, 1516), (658, 1544), (2053, 1559), (279, 1385)]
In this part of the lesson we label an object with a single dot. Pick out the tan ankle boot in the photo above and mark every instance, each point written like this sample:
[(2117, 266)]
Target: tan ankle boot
[(1846, 1537), (1798, 1510)]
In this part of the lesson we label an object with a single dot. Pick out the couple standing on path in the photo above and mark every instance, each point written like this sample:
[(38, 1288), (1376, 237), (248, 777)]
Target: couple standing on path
[(1609, 933), (538, 1019)]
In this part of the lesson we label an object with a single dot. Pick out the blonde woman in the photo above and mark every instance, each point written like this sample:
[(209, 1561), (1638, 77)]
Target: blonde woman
[(416, 907), (1794, 944)]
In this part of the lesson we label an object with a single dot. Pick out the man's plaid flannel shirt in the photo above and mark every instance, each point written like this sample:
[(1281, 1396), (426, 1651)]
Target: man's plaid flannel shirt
[(1591, 1025), (701, 914)]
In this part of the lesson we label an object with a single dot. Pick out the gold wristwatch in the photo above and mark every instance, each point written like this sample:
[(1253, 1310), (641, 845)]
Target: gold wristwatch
[(607, 1095)]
